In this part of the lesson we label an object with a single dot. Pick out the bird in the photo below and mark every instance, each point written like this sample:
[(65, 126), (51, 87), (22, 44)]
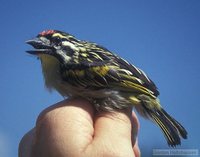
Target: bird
[(79, 68)]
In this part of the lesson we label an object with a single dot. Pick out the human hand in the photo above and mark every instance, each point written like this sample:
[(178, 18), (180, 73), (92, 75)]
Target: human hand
[(73, 128)]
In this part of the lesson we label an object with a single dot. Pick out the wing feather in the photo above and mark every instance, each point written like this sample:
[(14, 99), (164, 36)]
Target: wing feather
[(108, 71)]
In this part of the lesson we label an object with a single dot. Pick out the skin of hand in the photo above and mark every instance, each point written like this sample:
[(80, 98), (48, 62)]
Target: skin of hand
[(72, 128)]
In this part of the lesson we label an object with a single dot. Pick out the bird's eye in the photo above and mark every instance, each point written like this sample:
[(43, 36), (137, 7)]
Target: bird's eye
[(56, 40)]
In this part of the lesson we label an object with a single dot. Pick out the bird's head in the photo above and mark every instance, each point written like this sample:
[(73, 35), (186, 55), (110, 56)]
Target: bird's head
[(54, 43)]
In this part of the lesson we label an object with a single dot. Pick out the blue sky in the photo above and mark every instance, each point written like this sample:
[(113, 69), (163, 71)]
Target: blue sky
[(160, 36)]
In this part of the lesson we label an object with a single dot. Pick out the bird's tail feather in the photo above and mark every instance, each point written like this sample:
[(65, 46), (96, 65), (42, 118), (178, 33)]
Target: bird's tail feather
[(150, 108), (172, 129)]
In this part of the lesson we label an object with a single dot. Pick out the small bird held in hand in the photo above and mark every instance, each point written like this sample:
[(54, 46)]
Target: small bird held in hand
[(77, 68)]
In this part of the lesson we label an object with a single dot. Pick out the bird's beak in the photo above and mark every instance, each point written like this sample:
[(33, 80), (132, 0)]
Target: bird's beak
[(40, 47)]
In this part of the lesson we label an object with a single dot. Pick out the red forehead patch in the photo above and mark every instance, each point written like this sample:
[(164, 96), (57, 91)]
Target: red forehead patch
[(47, 32)]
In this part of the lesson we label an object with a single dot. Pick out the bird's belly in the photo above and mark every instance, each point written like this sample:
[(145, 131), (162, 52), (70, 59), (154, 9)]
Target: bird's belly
[(103, 99)]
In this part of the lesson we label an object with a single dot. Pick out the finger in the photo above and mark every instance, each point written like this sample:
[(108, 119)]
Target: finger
[(66, 127), (113, 132), (136, 149), (25, 144), (135, 127)]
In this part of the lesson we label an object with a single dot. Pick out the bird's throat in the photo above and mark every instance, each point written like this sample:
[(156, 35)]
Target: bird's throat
[(51, 70)]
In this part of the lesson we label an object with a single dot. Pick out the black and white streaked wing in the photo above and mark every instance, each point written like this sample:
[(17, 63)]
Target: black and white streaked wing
[(126, 69), (139, 74), (107, 71)]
